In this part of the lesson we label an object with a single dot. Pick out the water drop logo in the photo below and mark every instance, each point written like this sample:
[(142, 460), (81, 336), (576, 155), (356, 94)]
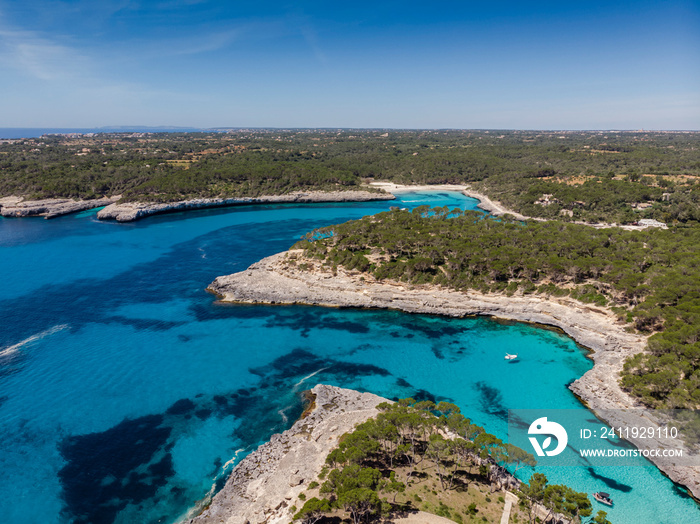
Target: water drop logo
[(542, 426)]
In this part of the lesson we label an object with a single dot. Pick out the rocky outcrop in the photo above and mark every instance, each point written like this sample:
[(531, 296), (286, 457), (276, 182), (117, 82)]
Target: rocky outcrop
[(130, 211), (280, 280), (265, 484), (48, 208)]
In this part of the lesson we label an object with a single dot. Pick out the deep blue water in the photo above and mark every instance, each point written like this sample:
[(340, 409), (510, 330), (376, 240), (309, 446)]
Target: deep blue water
[(35, 132), (125, 391)]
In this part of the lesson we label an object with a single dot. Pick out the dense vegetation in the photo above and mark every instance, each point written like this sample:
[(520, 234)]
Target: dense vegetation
[(619, 177), (398, 460), (649, 277), (592, 176)]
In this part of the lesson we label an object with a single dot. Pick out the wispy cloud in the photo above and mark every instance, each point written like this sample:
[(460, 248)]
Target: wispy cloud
[(39, 57), (311, 38), (185, 45)]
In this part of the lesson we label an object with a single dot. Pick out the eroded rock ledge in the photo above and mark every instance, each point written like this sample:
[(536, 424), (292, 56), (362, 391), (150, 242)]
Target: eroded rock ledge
[(130, 211), (48, 208), (265, 484), (279, 280)]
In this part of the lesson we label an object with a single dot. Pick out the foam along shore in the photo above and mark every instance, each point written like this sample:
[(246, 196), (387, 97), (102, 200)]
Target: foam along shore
[(130, 211), (48, 208), (266, 484), (278, 279)]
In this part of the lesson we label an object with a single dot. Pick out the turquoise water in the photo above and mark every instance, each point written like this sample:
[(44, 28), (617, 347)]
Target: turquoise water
[(125, 391)]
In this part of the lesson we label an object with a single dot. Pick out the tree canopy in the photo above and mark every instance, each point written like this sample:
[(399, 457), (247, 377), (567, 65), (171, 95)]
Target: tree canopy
[(589, 176), (649, 277)]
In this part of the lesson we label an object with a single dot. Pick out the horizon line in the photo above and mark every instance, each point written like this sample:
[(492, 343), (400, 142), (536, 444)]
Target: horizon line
[(126, 128)]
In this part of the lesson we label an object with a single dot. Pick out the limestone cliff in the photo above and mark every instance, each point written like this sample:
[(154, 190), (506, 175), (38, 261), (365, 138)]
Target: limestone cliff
[(48, 208), (265, 484), (130, 211), (279, 279)]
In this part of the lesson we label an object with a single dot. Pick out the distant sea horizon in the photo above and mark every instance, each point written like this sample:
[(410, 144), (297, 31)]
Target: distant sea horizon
[(36, 132), (8, 133)]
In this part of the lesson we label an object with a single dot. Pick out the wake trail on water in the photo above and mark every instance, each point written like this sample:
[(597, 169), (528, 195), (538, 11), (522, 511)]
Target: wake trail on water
[(306, 378), (10, 350)]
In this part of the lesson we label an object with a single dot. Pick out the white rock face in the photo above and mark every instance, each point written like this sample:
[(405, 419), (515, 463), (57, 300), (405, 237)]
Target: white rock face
[(130, 211), (265, 484), (278, 280), (47, 208)]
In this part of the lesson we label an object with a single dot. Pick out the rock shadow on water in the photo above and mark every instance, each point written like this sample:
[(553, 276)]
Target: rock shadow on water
[(491, 400), (108, 470), (418, 394), (303, 362), (306, 319), (143, 324), (610, 482), (124, 468), (183, 406), (437, 352), (129, 467)]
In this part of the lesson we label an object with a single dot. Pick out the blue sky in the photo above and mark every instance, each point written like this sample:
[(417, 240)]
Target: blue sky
[(213, 63)]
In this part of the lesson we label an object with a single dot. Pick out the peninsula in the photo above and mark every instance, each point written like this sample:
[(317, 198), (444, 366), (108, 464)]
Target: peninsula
[(349, 449), (130, 211), (292, 278), (266, 484)]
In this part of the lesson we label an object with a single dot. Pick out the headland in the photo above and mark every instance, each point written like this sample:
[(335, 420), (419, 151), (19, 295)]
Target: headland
[(280, 279), (48, 208), (130, 211), (266, 483)]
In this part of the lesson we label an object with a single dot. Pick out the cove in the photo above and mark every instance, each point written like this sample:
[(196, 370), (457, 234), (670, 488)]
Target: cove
[(125, 391)]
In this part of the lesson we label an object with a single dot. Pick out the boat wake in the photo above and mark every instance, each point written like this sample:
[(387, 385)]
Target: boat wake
[(306, 378), (10, 350)]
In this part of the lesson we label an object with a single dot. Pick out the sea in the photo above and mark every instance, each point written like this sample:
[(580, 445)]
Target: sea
[(127, 393), (36, 132)]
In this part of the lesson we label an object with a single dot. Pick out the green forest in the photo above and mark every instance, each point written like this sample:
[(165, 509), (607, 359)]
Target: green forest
[(401, 460), (648, 277), (591, 176)]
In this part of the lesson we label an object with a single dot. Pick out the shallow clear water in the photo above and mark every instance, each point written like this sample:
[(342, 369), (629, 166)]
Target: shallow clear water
[(125, 391)]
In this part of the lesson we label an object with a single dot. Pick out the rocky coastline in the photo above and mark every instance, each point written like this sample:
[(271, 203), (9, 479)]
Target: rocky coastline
[(18, 207), (266, 484), (280, 280), (48, 208), (130, 211)]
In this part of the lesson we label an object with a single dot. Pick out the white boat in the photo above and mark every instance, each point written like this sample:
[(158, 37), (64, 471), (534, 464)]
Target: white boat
[(603, 498), (511, 357)]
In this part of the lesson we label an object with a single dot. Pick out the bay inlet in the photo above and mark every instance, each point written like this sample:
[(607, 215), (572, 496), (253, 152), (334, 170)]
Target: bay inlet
[(127, 391)]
